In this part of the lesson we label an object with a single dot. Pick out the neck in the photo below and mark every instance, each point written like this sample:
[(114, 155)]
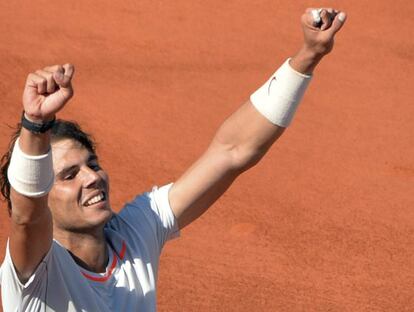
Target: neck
[(88, 250)]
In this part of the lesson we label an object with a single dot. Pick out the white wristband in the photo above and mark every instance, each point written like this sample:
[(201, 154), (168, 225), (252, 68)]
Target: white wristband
[(279, 97), (31, 176)]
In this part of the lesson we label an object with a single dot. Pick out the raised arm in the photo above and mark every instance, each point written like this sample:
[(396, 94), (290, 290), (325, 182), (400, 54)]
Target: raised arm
[(30, 171), (244, 138)]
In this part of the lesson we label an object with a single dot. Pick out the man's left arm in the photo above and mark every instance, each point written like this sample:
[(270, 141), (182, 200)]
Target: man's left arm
[(245, 137)]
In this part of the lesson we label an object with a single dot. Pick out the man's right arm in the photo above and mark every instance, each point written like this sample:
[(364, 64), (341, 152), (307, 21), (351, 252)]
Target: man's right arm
[(46, 92)]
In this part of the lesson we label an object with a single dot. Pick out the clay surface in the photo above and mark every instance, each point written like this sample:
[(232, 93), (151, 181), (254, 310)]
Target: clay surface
[(325, 222)]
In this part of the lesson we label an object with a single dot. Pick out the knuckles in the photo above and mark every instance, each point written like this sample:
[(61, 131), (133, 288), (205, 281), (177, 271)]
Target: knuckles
[(45, 76)]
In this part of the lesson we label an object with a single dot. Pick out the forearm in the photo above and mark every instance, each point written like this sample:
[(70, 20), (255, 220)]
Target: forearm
[(248, 134), (305, 61), (27, 209), (30, 173), (34, 144)]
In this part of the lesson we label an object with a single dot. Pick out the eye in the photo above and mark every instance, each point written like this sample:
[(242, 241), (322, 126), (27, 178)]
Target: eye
[(70, 176), (95, 166)]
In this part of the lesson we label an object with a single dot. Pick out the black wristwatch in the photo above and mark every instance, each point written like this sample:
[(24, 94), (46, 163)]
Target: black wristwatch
[(36, 127)]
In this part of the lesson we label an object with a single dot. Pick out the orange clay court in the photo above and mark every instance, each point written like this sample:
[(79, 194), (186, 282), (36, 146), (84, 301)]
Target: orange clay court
[(325, 222)]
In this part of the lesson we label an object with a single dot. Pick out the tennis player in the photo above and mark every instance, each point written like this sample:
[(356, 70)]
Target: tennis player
[(67, 250)]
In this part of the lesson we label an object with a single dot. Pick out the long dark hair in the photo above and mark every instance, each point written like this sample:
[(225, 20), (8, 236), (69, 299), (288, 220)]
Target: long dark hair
[(62, 129)]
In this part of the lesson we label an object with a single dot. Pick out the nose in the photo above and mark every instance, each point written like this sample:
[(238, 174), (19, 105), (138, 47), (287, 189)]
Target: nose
[(90, 177)]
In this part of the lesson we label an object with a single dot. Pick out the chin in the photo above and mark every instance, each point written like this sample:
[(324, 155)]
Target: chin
[(103, 216)]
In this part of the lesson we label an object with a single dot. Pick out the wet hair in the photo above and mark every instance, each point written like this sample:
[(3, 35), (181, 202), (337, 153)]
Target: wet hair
[(61, 130)]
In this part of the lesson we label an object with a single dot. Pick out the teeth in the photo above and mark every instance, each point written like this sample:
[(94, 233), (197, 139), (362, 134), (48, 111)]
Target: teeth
[(95, 199)]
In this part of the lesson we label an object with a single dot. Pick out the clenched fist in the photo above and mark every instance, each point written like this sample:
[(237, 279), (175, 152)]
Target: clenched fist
[(47, 91), (319, 29), (319, 34)]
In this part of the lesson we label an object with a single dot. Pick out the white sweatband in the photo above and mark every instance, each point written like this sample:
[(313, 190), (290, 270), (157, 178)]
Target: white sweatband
[(29, 175), (279, 97)]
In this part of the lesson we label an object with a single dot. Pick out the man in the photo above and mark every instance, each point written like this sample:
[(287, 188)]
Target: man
[(67, 250)]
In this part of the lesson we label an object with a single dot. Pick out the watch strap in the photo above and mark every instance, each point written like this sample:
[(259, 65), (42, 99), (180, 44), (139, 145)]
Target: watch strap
[(35, 127)]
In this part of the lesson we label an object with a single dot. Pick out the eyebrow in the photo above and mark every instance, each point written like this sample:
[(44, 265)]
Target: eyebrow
[(65, 170)]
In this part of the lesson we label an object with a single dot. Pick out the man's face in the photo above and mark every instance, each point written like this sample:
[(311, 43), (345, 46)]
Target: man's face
[(79, 199)]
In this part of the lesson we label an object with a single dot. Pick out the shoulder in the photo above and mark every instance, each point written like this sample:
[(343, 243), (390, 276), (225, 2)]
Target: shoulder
[(148, 215)]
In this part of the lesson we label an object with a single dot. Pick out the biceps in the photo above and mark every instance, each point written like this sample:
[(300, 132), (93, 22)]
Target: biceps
[(31, 233), (202, 184)]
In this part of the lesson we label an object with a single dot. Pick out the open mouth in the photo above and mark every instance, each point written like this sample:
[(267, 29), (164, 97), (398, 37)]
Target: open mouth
[(96, 199)]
